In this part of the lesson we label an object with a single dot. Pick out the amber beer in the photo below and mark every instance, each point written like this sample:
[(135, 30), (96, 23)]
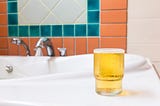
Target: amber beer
[(108, 70)]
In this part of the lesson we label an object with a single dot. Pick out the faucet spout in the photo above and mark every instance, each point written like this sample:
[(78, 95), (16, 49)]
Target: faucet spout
[(45, 42), (18, 41)]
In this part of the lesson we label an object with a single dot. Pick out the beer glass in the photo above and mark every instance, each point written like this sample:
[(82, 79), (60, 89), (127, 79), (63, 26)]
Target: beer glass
[(108, 70)]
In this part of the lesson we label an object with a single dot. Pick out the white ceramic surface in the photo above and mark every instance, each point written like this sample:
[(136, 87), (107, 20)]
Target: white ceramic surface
[(77, 88), (40, 66), (83, 62), (23, 66), (14, 103), (70, 89)]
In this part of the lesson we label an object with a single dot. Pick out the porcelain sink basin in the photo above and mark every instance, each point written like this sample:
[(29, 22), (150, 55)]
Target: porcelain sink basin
[(40, 66), (81, 63), (23, 66), (14, 103), (69, 81)]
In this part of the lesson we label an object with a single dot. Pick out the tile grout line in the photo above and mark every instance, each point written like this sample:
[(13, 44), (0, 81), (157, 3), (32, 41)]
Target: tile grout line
[(99, 38)]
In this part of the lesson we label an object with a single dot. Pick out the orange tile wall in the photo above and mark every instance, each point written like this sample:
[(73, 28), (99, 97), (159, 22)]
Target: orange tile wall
[(113, 32)]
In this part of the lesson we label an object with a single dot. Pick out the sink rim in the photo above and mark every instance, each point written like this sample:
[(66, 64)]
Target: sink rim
[(59, 59)]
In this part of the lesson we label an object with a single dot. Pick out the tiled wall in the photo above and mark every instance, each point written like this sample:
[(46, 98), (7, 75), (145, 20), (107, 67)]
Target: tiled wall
[(111, 31), (53, 18), (144, 28)]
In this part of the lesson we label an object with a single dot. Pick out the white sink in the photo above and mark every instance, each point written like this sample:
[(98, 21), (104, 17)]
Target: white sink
[(40, 66), (69, 81), (84, 63), (23, 66), (14, 103)]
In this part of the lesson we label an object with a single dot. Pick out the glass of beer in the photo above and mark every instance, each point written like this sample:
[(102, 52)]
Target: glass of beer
[(108, 70)]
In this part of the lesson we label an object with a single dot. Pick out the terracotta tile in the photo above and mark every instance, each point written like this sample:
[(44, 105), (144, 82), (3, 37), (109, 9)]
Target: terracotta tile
[(3, 43), (92, 44), (2, 0), (113, 29), (118, 42), (69, 44), (57, 43), (3, 8), (81, 46), (4, 52), (12, 48), (113, 4), (3, 30), (3, 19), (114, 16), (22, 50)]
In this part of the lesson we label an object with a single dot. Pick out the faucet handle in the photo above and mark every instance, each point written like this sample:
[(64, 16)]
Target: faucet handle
[(44, 42), (38, 51), (62, 51), (16, 41)]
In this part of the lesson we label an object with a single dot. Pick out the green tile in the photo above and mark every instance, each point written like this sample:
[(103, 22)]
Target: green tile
[(12, 7), (80, 30), (93, 29), (12, 19), (13, 31), (12, 0), (93, 16), (23, 31), (68, 30), (45, 30), (34, 31), (57, 30), (93, 4)]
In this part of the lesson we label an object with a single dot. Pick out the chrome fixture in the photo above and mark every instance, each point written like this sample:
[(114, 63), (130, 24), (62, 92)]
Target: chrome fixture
[(44, 42), (18, 41), (62, 51), (9, 68)]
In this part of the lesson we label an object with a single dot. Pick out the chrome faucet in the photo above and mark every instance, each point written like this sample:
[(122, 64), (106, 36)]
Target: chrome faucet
[(18, 41), (44, 42), (62, 51)]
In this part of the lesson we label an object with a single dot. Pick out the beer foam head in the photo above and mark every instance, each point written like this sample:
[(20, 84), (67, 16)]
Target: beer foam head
[(109, 50)]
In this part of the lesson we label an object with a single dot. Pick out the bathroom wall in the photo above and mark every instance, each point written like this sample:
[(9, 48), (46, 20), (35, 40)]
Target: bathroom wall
[(102, 23), (144, 28)]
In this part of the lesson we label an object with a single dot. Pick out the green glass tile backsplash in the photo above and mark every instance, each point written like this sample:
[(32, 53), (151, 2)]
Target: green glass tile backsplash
[(57, 30), (34, 31), (12, 19), (46, 30), (12, 7), (91, 28), (13, 31), (93, 5), (23, 31), (80, 30)]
